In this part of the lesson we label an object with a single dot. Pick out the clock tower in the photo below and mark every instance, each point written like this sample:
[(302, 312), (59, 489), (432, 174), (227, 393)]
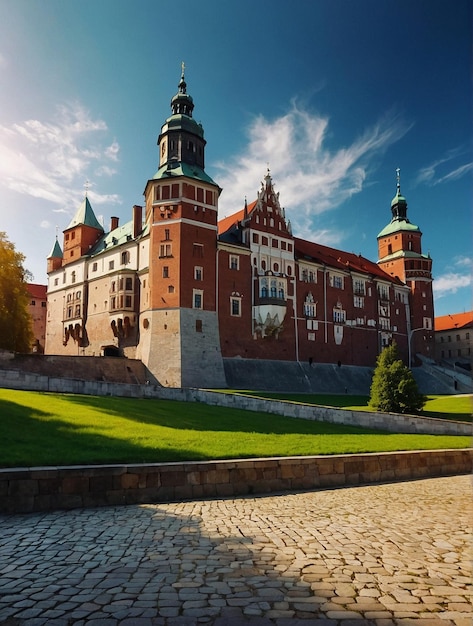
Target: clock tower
[(400, 254)]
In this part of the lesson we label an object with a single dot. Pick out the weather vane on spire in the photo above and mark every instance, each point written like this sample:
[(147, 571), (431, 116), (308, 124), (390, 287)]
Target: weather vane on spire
[(183, 67), (86, 186), (398, 179)]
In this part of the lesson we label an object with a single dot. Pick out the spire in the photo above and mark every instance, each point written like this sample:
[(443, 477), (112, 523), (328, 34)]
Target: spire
[(85, 216), (56, 252), (399, 203), (182, 103)]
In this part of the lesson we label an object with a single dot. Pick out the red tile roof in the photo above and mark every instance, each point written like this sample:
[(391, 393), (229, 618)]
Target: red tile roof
[(451, 322), (37, 291), (340, 259), (227, 222)]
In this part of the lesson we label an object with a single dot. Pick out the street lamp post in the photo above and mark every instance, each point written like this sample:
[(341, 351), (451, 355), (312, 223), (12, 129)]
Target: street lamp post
[(411, 332)]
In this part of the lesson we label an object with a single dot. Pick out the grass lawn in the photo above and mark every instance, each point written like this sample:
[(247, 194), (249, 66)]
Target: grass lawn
[(443, 407), (53, 429)]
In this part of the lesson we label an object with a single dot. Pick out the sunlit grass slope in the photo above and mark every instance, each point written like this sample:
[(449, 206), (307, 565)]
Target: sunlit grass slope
[(52, 429)]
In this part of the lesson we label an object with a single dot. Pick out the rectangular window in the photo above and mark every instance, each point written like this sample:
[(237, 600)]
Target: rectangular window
[(427, 323), (43, 304), (275, 243), (165, 250), (165, 271), (264, 240), (125, 257), (358, 302), (198, 273), (198, 326), (234, 262), (94, 267), (309, 309), (197, 299), (111, 265), (167, 235), (358, 287), (283, 243), (235, 308), (128, 302), (339, 316), (198, 250), (383, 292), (311, 336), (336, 281), (255, 238)]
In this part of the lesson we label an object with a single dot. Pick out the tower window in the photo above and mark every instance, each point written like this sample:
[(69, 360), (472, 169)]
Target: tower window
[(198, 250), (197, 299), (167, 236), (234, 262), (165, 250), (235, 307), (198, 273), (165, 271)]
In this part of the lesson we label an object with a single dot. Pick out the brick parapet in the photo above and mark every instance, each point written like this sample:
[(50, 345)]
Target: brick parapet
[(27, 490)]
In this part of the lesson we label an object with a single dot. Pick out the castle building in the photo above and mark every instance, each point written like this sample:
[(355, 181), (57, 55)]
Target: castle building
[(183, 292), (453, 338)]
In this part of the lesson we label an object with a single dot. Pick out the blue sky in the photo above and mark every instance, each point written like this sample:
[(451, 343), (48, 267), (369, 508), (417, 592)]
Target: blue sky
[(332, 95)]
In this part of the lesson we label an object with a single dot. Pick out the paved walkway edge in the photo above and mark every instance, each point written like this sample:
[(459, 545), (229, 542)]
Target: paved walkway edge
[(26, 490)]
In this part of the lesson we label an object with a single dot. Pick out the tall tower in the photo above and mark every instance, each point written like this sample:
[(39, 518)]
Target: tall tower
[(400, 254), (180, 340)]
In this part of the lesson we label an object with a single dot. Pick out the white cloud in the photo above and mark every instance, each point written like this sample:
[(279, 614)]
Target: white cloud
[(450, 283), (308, 174), (434, 173), (459, 276), (51, 159)]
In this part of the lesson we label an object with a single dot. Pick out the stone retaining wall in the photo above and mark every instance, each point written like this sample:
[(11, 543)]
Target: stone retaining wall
[(42, 489)]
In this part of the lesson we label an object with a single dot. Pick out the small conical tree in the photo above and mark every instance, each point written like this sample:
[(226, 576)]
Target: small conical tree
[(393, 388)]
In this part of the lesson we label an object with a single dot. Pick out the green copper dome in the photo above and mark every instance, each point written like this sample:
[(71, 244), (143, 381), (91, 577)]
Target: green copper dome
[(398, 199)]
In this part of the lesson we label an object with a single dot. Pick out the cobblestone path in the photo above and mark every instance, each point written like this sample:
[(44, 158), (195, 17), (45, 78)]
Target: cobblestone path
[(381, 555)]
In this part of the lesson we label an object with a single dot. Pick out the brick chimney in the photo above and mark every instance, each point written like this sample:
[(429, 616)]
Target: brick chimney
[(113, 223), (137, 220)]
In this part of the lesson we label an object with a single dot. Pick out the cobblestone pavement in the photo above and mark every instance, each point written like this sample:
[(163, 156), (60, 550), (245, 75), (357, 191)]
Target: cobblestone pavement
[(381, 555)]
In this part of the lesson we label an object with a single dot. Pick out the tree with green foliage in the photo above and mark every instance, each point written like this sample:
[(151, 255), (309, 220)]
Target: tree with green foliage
[(393, 388), (15, 319)]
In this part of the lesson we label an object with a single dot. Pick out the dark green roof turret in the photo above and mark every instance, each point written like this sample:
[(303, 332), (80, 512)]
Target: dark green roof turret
[(399, 219), (182, 103), (85, 216), (56, 252)]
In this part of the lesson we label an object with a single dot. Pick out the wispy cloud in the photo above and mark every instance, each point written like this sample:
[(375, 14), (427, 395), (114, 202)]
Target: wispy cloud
[(52, 159), (459, 276), (308, 174), (436, 173)]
